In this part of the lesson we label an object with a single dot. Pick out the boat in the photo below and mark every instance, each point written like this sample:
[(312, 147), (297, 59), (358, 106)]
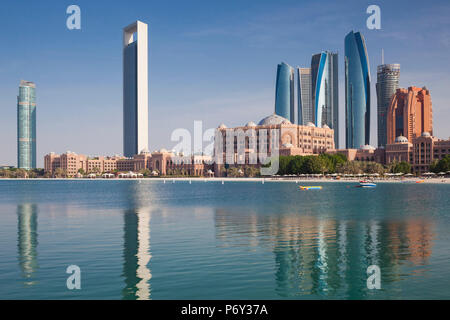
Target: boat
[(310, 187), (420, 181), (367, 184)]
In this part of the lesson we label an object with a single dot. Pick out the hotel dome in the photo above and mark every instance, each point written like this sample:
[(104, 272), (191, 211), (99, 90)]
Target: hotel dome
[(310, 124), (273, 119), (426, 134), (367, 147), (250, 124), (401, 139), (222, 126)]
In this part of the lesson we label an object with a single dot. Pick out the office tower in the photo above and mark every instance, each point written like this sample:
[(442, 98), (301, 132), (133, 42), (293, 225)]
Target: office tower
[(387, 83), (26, 125), (325, 91), (409, 114), (357, 92), (304, 99), (284, 92), (135, 89)]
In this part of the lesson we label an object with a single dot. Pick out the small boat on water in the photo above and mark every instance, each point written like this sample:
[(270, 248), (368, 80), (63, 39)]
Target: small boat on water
[(366, 184), (420, 181), (310, 187)]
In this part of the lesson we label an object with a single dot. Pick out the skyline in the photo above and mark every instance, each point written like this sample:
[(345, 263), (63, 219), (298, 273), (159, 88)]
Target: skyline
[(198, 70)]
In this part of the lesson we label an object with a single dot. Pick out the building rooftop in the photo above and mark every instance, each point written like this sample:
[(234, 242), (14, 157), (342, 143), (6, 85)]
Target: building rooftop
[(273, 119)]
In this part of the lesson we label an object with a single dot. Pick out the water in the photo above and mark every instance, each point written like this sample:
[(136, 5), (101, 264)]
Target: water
[(239, 240)]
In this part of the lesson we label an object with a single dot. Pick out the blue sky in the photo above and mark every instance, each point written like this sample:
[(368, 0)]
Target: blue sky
[(209, 60)]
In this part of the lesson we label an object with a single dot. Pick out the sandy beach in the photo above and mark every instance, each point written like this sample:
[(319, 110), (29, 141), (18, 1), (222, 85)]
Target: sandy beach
[(243, 179)]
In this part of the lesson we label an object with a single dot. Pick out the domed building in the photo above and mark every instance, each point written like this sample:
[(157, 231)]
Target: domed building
[(273, 119), (272, 132)]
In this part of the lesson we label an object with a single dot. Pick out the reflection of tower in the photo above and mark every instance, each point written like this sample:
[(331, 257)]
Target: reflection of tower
[(136, 250), (27, 239)]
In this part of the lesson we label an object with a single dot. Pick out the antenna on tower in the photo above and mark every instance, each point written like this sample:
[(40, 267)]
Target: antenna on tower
[(382, 56)]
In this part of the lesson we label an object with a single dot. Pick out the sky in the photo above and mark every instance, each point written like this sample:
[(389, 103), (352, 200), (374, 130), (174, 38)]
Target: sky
[(213, 61)]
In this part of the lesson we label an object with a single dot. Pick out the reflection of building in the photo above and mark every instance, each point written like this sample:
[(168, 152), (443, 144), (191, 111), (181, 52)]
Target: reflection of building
[(324, 256), (135, 88), (357, 91), (136, 251), (325, 91), (284, 92), (387, 83), (26, 125), (409, 114), (27, 239)]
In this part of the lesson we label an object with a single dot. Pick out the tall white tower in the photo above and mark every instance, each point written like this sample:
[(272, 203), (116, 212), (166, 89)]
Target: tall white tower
[(135, 88)]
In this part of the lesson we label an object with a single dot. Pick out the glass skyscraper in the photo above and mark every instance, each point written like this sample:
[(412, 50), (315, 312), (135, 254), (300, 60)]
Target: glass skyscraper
[(284, 92), (388, 76), (26, 125), (135, 89), (357, 91), (304, 99), (325, 91)]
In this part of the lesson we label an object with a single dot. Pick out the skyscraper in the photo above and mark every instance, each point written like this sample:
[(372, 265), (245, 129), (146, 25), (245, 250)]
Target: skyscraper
[(357, 92), (387, 83), (284, 92), (26, 125), (304, 99), (135, 88), (325, 91), (410, 114)]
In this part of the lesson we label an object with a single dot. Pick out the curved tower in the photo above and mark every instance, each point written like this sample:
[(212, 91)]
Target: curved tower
[(284, 92), (324, 75), (26, 125), (357, 92)]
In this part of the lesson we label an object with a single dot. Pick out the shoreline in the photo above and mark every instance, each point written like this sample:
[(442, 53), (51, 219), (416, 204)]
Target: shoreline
[(242, 179)]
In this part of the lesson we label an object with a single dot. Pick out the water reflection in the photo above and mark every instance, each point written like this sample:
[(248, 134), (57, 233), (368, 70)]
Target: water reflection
[(325, 256), (27, 240), (136, 250)]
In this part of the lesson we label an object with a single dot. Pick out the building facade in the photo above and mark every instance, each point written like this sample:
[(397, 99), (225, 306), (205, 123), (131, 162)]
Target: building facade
[(135, 88), (240, 145), (325, 91), (388, 76), (284, 92), (409, 114), (26, 125), (357, 92), (160, 162), (305, 112), (420, 153)]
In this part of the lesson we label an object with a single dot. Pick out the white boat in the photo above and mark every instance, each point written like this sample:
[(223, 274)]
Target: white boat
[(365, 184)]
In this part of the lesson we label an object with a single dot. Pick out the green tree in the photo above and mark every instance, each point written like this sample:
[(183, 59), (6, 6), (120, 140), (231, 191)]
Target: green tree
[(400, 167), (442, 165)]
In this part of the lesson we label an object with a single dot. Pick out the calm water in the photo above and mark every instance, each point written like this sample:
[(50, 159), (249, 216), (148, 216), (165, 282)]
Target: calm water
[(205, 240)]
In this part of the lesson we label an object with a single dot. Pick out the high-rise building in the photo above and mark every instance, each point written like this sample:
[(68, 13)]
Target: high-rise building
[(387, 83), (409, 114), (284, 92), (325, 91), (357, 92), (304, 99), (26, 125), (135, 88)]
